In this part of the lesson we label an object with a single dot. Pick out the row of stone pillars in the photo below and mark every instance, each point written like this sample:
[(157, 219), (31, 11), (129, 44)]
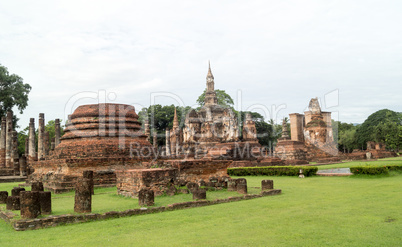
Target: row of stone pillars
[(9, 157), (31, 203)]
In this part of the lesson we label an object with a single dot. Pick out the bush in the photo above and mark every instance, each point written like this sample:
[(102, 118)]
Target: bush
[(272, 171), (369, 170)]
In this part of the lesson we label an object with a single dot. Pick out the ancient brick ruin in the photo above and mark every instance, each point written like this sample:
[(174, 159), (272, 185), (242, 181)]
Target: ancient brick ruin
[(311, 137)]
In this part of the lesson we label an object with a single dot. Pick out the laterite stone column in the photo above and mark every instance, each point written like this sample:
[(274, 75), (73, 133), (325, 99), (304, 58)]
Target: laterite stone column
[(9, 137), (3, 143), (242, 185), (41, 133), (267, 184), (45, 201), (31, 152), (83, 197), (37, 186), (89, 175), (30, 204), (146, 197), (200, 194), (3, 197), (232, 184), (13, 203), (56, 132)]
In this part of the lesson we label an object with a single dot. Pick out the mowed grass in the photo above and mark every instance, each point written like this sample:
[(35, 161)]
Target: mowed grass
[(380, 162), (314, 211)]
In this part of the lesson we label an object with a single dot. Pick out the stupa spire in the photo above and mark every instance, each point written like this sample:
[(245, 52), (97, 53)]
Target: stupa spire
[(175, 120)]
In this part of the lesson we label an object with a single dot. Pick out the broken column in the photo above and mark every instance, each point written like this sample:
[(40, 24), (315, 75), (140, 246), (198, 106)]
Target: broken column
[(9, 129), (16, 191), (37, 186), (13, 203), (26, 147), (14, 154), (57, 132), (242, 185), (200, 194), (147, 131), (267, 184), (83, 197), (23, 165), (89, 175), (146, 197), (52, 143), (30, 204), (41, 133), (45, 200), (232, 184), (46, 143), (31, 137), (3, 143), (167, 143), (3, 197)]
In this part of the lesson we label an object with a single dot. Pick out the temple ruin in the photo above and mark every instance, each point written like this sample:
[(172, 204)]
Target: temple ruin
[(311, 137)]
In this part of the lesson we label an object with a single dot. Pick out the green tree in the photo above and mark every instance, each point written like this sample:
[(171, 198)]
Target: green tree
[(223, 98), (347, 139), (13, 92), (367, 131), (161, 118)]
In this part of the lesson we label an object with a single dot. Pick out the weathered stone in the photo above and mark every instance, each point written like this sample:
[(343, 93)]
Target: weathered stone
[(23, 165), (83, 197), (30, 204), (9, 131), (57, 132), (232, 184), (3, 143), (146, 197), (31, 152), (98, 137), (159, 180), (89, 175), (37, 186), (16, 191), (200, 194), (171, 191), (13, 203), (192, 187), (3, 197), (41, 136), (45, 198), (267, 184), (241, 185)]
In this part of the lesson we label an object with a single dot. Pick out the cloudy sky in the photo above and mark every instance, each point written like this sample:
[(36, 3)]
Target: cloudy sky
[(270, 56)]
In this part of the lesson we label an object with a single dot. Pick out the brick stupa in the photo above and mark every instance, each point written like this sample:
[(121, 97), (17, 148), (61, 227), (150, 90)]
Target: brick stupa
[(99, 137)]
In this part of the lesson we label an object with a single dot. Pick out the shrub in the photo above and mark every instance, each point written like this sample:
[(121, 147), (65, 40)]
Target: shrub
[(272, 171), (369, 170)]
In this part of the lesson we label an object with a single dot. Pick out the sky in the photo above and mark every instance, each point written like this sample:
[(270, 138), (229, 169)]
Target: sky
[(270, 56)]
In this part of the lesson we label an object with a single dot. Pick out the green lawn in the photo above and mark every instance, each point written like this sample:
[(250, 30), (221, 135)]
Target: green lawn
[(380, 162), (314, 211)]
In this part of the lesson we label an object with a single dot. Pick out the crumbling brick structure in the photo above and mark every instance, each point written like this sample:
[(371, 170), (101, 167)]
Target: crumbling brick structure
[(311, 138), (100, 138)]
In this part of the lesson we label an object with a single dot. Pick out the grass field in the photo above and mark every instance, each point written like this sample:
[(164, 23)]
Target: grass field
[(380, 162), (314, 211)]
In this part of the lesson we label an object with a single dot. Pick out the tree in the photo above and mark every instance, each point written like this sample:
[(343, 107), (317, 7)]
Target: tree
[(161, 118), (13, 92), (367, 131), (223, 98), (348, 139)]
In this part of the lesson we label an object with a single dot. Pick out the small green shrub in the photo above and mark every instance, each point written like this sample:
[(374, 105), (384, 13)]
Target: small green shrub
[(369, 170), (272, 171)]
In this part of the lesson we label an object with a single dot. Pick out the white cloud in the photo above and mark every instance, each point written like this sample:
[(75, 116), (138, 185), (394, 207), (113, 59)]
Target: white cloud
[(276, 52)]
